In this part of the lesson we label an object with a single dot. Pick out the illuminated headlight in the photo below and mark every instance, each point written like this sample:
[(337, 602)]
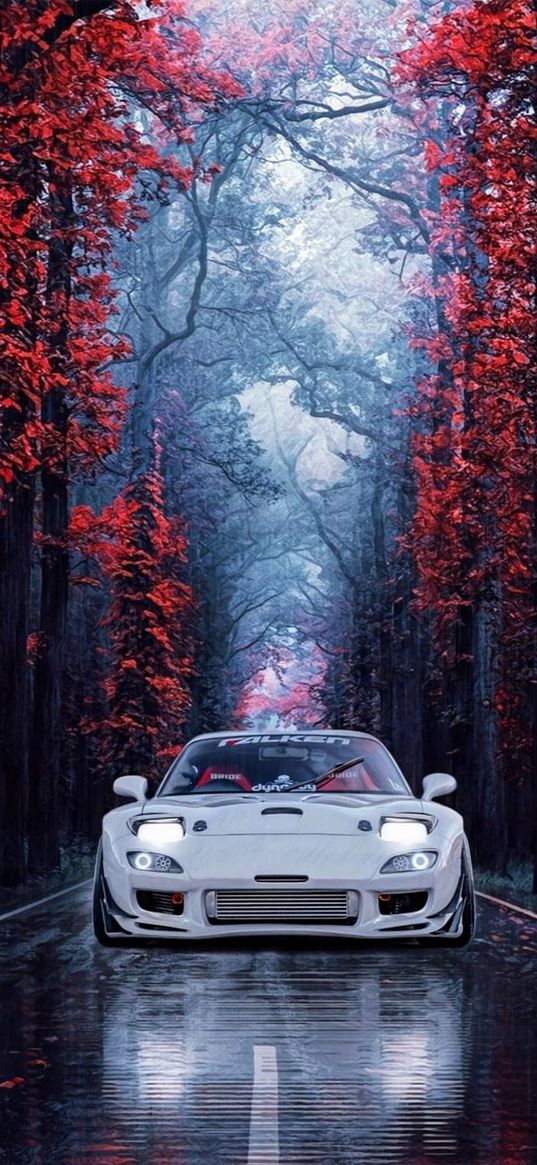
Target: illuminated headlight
[(409, 863), (159, 863), (404, 832), (158, 830)]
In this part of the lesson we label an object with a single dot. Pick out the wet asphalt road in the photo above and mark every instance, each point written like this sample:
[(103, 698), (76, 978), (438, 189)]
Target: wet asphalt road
[(264, 1053)]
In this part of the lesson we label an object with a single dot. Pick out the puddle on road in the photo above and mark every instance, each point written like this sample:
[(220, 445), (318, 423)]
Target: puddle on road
[(384, 1056)]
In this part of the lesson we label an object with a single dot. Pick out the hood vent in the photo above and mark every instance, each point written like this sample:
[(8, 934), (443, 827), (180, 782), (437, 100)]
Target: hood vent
[(282, 809)]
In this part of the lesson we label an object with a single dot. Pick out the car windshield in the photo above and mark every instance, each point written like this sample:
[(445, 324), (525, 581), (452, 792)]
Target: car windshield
[(275, 763)]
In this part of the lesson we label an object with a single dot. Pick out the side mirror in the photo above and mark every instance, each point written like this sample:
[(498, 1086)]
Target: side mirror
[(135, 787), (438, 785)]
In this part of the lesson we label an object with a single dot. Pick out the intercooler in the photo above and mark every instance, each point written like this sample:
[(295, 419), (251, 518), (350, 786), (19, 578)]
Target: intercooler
[(282, 906)]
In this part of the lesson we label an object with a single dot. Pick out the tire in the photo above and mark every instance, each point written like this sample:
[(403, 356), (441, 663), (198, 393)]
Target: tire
[(100, 911), (468, 913)]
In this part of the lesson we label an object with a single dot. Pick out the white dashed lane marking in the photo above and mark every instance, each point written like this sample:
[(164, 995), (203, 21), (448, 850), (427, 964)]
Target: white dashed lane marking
[(263, 1144)]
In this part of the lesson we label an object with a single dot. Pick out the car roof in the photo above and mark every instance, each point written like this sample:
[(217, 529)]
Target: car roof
[(278, 733)]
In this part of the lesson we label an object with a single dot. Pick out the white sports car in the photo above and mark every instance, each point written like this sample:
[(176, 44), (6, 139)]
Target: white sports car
[(312, 833)]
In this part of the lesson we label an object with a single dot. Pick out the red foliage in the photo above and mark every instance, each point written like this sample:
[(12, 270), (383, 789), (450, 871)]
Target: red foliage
[(287, 43), (474, 460), (75, 168), (141, 553), (287, 687)]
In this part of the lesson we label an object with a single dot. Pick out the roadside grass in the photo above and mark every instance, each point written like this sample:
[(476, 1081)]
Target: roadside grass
[(512, 886)]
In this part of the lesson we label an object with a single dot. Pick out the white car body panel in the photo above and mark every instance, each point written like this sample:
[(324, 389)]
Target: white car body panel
[(320, 842)]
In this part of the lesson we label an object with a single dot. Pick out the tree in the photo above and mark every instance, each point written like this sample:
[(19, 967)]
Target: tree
[(473, 536), (76, 169), (312, 320), (141, 553)]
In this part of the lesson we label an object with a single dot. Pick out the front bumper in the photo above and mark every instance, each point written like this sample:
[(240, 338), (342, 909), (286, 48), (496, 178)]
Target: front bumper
[(441, 912)]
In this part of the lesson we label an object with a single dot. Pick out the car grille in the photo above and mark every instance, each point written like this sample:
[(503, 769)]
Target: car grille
[(283, 906)]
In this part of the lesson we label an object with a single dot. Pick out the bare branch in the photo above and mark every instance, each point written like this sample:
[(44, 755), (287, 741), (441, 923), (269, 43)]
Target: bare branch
[(252, 642), (353, 180)]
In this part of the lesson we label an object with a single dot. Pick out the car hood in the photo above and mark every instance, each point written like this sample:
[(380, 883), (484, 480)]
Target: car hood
[(298, 813)]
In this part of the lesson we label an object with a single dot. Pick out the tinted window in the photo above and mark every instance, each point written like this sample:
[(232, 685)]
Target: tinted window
[(273, 763)]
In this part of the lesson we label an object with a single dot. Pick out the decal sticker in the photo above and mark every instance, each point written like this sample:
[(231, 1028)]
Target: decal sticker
[(277, 786), (225, 777), (284, 739), (347, 778), (221, 774)]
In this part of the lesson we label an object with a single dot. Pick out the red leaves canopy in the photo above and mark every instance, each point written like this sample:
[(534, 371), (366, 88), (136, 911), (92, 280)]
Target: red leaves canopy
[(75, 167), (473, 537)]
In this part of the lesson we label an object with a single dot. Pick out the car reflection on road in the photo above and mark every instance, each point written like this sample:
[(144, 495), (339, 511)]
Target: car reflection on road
[(385, 1055), (362, 1055)]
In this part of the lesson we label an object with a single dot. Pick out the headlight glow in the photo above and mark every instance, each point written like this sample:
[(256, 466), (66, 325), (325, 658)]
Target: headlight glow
[(142, 861), (159, 863), (406, 863), (420, 861), (158, 831), (403, 832)]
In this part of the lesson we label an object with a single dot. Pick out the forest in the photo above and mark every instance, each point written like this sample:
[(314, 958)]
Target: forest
[(267, 388)]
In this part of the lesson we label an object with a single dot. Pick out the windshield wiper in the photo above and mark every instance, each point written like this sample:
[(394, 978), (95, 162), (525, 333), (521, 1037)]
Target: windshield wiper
[(325, 777)]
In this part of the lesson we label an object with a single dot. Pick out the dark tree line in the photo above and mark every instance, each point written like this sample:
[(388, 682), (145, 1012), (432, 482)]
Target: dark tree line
[(250, 485)]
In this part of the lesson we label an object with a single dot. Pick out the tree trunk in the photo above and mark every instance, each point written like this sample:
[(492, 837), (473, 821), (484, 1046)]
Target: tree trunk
[(48, 719), (381, 589), (16, 535), (16, 525), (490, 813), (47, 732)]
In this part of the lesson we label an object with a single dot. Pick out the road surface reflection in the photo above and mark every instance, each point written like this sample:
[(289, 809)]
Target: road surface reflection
[(382, 1055)]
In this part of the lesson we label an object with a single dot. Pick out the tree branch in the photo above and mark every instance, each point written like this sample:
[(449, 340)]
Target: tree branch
[(347, 573), (345, 111), (245, 646), (353, 180)]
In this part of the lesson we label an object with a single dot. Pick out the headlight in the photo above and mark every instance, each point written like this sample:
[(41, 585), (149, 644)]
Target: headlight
[(404, 831), (159, 863), (158, 830), (410, 863)]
